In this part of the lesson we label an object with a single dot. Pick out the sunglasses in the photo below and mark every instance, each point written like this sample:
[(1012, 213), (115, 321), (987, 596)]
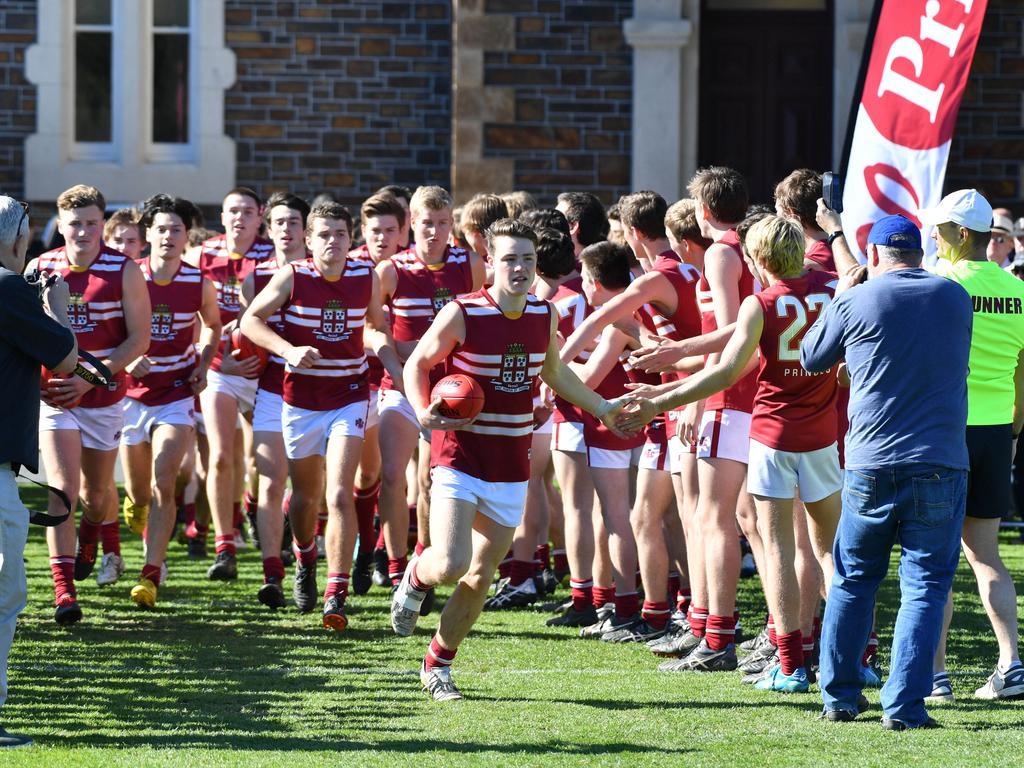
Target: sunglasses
[(999, 239), (24, 215)]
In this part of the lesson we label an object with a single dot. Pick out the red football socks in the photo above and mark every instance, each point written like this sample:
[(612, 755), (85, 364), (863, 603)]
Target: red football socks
[(582, 593), (63, 571), (225, 543), (110, 535), (520, 572), (337, 586), (698, 618), (305, 552), (151, 572), (273, 568), (366, 506), (791, 652), (655, 613), (720, 631), (438, 655)]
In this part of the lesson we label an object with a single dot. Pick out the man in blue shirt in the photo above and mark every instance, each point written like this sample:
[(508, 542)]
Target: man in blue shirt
[(905, 335)]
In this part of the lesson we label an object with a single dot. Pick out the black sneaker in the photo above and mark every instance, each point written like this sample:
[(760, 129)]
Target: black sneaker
[(429, 599), (85, 560), (754, 672), (898, 725), (334, 614), (362, 573), (271, 594), (573, 618), (757, 641), (224, 568), (549, 580), (197, 549), (509, 596), (68, 613), (380, 568), (304, 589), (13, 740), (639, 633), (555, 606), (614, 626), (758, 660), (704, 659), (843, 715), (677, 646)]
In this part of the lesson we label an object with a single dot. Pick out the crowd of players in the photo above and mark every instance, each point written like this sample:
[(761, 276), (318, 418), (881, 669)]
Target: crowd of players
[(647, 421)]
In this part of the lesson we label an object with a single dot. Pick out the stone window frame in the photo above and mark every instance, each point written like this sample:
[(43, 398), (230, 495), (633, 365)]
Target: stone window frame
[(132, 166)]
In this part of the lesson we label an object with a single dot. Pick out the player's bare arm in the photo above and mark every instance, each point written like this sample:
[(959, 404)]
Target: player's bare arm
[(669, 355), (830, 222), (209, 336), (264, 304), (446, 332)]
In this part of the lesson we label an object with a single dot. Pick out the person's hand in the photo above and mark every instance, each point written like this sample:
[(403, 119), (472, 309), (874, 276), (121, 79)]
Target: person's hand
[(299, 357), (62, 392), (852, 277), (56, 296), (139, 367), (659, 358), (634, 415), (827, 219), (432, 418), (647, 391), (629, 326), (234, 365), (198, 379), (688, 423)]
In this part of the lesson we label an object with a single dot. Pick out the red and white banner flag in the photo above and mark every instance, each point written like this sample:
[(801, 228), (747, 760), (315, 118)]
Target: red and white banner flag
[(914, 73)]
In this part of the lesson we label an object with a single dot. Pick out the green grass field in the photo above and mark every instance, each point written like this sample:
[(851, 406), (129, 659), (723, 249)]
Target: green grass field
[(212, 678)]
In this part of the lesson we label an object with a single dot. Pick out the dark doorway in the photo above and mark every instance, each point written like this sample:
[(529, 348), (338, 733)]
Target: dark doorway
[(765, 91)]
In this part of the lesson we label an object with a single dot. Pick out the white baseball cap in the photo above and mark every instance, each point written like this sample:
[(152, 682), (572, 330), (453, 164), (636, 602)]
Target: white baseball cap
[(966, 207)]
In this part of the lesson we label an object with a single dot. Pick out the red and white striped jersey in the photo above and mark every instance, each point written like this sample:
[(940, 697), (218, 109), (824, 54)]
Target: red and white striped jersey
[(596, 434), (95, 311), (227, 271), (573, 308), (740, 396), (375, 374), (328, 314), (272, 378), (421, 291), (171, 353), (505, 356)]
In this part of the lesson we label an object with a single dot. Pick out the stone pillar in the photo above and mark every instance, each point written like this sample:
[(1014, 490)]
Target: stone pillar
[(664, 97), (473, 104)]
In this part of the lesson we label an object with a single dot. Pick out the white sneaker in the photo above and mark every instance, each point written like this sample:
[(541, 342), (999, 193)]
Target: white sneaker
[(942, 689), (438, 683), (405, 604), (111, 569), (1003, 685)]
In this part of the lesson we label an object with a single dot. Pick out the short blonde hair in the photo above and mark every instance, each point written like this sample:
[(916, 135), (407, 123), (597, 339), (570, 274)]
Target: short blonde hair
[(777, 244), (481, 211), (430, 199), (81, 196)]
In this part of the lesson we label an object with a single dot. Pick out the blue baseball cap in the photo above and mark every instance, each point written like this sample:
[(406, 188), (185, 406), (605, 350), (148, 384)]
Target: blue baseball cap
[(895, 232)]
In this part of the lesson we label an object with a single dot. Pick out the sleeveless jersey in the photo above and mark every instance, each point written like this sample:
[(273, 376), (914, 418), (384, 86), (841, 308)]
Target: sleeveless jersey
[(172, 353), (794, 410), (95, 312), (227, 272), (740, 396), (328, 315), (272, 378), (375, 374), (505, 357), (821, 253), (595, 433), (420, 293)]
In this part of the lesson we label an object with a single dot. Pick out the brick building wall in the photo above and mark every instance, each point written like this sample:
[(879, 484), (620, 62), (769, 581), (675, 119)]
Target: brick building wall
[(17, 96), (570, 71), (987, 150), (340, 95)]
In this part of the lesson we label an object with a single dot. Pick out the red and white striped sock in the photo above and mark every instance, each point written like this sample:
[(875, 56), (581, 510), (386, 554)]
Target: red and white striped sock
[(438, 655)]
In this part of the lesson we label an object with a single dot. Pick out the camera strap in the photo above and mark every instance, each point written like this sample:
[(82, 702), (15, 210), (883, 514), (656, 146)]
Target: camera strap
[(100, 377), (45, 519)]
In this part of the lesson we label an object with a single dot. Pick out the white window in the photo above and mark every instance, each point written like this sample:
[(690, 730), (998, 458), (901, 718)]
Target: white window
[(130, 99)]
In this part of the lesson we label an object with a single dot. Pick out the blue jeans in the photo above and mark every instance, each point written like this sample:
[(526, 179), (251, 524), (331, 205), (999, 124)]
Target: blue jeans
[(921, 506)]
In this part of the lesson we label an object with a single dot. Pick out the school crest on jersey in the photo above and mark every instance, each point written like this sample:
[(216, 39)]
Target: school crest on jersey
[(78, 314), (228, 293), (332, 322), (514, 365), (162, 328), (441, 297)]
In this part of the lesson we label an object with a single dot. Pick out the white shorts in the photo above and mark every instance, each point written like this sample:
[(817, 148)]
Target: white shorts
[(266, 415), (724, 434), (502, 502), (567, 436), (654, 454), (635, 455), (608, 458), (243, 390), (393, 400), (306, 433), (140, 419), (99, 428), (677, 449), (372, 417), (776, 474)]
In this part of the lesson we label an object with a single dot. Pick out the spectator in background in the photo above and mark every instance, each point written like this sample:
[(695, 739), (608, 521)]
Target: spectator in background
[(906, 465), (1000, 244)]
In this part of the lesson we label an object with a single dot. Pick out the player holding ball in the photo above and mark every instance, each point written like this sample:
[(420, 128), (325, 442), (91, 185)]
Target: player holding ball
[(503, 338)]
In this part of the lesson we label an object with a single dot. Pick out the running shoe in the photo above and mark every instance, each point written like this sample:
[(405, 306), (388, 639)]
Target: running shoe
[(304, 590), (573, 618), (438, 683), (254, 528), (870, 675), (135, 515), (676, 646), (144, 594), (334, 614), (197, 549), (224, 568), (271, 594), (757, 641), (639, 633), (111, 569), (704, 659), (85, 560), (615, 623), (759, 660), (509, 596), (68, 612), (775, 680), (380, 568), (405, 606), (549, 581), (843, 714), (1003, 685), (890, 724), (942, 689), (362, 573)]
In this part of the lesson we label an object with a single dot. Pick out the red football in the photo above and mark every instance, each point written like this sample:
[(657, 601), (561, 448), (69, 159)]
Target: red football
[(45, 375), (246, 348), (461, 396)]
